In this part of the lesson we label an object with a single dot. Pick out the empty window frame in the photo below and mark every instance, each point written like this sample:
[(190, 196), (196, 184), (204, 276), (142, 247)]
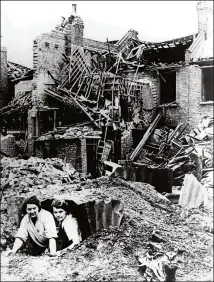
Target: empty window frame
[(207, 84), (167, 87)]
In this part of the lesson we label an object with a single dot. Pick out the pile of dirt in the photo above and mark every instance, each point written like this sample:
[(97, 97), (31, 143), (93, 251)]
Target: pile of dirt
[(152, 227), (23, 175)]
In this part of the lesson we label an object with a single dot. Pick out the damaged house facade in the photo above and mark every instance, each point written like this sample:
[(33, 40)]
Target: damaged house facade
[(94, 103)]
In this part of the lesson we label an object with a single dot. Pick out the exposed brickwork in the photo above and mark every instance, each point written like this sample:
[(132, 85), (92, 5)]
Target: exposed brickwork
[(83, 155), (205, 15), (126, 144), (47, 56), (8, 145), (74, 32), (3, 78), (71, 150), (188, 98), (153, 79)]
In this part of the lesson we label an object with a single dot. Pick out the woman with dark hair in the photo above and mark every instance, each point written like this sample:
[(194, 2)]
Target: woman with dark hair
[(67, 226), (37, 225)]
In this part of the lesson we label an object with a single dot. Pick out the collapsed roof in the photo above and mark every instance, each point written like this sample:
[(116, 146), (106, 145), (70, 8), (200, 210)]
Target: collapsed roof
[(17, 72)]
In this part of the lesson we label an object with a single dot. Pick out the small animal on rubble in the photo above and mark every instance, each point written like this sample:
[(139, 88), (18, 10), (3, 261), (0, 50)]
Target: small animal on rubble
[(39, 226), (67, 227)]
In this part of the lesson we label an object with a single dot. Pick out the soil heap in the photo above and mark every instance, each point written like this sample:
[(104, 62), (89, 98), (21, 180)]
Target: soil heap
[(152, 228)]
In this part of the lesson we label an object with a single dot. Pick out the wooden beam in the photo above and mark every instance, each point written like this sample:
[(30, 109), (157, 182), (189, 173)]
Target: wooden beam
[(208, 169), (146, 136)]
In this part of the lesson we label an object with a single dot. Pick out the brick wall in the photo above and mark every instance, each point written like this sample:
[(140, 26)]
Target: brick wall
[(3, 78), (205, 15), (74, 32), (47, 55), (8, 145), (153, 79), (189, 98), (71, 150)]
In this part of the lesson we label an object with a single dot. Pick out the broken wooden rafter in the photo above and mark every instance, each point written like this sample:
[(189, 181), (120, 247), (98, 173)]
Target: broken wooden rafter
[(146, 136), (67, 99), (54, 79), (83, 108)]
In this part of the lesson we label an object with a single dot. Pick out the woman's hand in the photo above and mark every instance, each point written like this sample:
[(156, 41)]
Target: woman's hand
[(9, 253), (52, 254)]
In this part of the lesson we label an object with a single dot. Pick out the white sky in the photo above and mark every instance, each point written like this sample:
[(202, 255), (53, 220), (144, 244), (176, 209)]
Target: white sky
[(22, 21)]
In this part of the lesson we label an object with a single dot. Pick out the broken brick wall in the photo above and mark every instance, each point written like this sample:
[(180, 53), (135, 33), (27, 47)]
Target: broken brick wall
[(152, 78), (73, 151), (74, 30), (190, 107), (47, 56), (144, 107), (3, 78)]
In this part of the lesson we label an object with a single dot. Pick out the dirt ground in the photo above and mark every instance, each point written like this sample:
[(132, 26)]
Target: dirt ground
[(113, 254)]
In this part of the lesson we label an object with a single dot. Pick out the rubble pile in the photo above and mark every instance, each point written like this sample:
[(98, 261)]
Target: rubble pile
[(177, 150), (26, 175), (20, 104), (71, 132), (153, 231)]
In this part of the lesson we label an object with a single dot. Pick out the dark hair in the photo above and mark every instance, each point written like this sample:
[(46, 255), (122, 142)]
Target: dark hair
[(60, 204), (33, 200)]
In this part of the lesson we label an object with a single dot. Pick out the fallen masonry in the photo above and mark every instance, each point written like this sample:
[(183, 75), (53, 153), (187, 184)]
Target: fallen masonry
[(150, 236)]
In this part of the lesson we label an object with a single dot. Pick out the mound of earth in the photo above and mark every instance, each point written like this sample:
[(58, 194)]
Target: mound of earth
[(152, 228)]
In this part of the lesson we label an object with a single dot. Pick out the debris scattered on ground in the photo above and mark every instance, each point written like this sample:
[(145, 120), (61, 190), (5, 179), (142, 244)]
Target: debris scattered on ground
[(25, 175), (152, 227)]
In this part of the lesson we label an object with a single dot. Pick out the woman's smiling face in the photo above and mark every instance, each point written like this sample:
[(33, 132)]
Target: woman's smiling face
[(32, 210), (59, 214)]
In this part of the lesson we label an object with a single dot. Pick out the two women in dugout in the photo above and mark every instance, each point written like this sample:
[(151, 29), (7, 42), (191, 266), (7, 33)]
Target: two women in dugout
[(54, 231)]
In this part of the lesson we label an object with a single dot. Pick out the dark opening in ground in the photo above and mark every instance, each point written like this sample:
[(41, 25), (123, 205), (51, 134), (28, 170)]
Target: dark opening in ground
[(92, 216)]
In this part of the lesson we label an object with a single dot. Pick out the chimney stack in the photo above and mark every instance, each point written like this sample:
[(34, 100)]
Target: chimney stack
[(74, 9), (205, 15)]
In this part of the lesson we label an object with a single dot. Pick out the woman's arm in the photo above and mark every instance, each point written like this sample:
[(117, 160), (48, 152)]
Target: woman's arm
[(70, 247), (71, 229), (17, 245), (52, 246)]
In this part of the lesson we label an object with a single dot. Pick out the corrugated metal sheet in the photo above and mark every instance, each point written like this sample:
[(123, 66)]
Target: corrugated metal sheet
[(161, 179), (193, 194)]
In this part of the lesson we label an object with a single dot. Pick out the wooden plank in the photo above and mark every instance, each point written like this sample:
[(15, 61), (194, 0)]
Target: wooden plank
[(207, 169), (146, 136)]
